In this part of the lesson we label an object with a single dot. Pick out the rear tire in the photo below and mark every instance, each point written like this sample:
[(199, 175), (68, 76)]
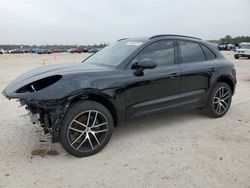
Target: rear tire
[(219, 100), (236, 57), (86, 128)]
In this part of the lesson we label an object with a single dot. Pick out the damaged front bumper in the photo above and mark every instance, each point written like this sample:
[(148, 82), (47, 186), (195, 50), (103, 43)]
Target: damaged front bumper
[(48, 113)]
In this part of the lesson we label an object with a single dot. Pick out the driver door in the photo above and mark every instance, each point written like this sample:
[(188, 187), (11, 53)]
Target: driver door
[(157, 89)]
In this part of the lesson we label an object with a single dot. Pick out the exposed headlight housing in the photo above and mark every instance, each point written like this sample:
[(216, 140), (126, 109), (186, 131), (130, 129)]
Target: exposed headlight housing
[(39, 84)]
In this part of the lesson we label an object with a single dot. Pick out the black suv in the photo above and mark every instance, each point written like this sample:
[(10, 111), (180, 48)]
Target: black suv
[(80, 104)]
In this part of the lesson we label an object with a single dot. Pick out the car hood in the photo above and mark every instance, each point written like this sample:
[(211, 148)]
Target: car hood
[(52, 70)]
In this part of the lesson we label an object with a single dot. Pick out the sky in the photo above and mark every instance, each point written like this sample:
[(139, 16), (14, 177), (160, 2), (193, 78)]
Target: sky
[(97, 21)]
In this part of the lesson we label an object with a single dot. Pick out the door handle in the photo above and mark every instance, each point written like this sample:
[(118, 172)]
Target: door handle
[(173, 75)]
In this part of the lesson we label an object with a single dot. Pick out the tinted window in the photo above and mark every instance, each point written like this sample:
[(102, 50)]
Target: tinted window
[(191, 52), (245, 47), (209, 55), (162, 52)]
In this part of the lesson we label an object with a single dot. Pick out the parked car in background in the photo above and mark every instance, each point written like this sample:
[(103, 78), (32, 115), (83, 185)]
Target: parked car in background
[(1, 51), (56, 50), (71, 50), (34, 50), (77, 50), (80, 104), (16, 51), (25, 50), (44, 51), (226, 46), (243, 51), (94, 50)]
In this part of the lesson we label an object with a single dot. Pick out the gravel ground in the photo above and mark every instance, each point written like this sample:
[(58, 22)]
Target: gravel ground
[(186, 149)]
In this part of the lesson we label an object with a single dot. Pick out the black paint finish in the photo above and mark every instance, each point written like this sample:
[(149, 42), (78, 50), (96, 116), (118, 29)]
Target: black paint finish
[(168, 87)]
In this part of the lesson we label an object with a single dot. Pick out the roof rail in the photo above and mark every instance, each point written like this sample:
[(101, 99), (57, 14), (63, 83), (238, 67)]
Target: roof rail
[(122, 39), (170, 35)]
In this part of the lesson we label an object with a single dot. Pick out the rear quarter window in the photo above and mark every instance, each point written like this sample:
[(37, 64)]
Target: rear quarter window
[(191, 52), (208, 53)]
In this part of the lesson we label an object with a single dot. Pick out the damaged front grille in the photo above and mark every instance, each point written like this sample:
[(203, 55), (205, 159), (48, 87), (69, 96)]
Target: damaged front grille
[(48, 113)]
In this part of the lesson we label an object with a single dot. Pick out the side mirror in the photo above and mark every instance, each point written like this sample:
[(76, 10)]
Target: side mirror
[(145, 63)]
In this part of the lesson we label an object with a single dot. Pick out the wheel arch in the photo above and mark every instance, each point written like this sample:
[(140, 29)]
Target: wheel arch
[(100, 99), (228, 80)]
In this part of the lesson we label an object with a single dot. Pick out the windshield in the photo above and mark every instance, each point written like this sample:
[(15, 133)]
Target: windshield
[(114, 54), (245, 47)]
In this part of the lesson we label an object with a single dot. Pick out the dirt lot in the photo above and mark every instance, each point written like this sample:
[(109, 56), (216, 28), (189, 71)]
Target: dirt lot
[(180, 150)]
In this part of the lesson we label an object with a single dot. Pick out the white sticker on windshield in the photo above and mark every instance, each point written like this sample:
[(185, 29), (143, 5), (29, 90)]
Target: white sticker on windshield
[(134, 43)]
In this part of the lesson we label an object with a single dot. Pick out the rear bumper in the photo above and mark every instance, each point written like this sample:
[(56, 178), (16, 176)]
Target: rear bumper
[(241, 55)]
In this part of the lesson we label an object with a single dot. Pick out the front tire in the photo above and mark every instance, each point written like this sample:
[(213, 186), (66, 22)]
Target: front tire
[(86, 128), (219, 100)]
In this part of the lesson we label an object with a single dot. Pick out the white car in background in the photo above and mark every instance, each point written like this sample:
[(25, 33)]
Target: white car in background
[(243, 51), (1, 51)]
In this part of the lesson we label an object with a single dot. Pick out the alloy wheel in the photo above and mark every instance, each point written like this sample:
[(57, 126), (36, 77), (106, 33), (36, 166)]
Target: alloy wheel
[(222, 99), (88, 130)]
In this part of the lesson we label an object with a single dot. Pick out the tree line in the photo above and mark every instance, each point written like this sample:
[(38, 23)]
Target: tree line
[(232, 40)]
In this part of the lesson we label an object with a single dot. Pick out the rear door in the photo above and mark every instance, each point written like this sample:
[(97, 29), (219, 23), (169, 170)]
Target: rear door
[(197, 64)]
